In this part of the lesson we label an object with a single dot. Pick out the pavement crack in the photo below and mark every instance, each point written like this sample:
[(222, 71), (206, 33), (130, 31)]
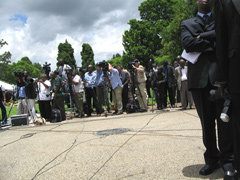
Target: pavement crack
[(115, 152)]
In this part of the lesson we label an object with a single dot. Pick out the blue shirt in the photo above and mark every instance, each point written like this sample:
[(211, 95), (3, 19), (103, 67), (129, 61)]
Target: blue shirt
[(99, 78), (91, 79), (201, 14), (21, 91), (115, 79)]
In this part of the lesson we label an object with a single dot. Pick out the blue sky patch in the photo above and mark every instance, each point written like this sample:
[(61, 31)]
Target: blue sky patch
[(19, 17)]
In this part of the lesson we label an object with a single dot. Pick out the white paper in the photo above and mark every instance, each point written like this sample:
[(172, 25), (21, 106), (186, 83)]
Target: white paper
[(192, 57)]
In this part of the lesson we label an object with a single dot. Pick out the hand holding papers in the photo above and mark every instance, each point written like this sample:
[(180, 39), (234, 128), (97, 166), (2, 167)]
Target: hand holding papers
[(192, 57)]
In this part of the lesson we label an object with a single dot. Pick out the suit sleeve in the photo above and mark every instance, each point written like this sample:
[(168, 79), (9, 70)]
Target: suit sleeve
[(191, 43), (222, 42)]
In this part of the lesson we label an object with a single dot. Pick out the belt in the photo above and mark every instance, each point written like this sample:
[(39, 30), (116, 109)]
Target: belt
[(21, 97)]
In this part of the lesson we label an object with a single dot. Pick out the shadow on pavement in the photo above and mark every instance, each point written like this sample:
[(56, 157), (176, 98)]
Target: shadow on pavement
[(193, 172)]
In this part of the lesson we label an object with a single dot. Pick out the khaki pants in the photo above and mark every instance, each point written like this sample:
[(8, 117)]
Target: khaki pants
[(78, 98), (142, 96), (117, 98), (186, 96), (22, 106)]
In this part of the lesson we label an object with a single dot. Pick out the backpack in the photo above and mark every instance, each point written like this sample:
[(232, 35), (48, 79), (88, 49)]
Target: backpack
[(56, 116)]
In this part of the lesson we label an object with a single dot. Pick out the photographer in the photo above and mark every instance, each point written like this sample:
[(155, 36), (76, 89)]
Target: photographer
[(2, 105), (90, 90), (77, 85), (58, 99), (141, 85), (116, 89), (21, 94), (44, 97), (30, 95)]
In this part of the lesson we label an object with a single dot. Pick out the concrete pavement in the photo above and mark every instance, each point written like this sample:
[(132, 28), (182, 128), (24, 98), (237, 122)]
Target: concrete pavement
[(160, 145)]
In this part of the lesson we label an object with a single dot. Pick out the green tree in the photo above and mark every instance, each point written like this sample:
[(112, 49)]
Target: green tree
[(26, 59), (116, 61), (87, 56), (39, 66), (171, 35), (66, 53), (4, 61), (22, 66), (143, 40)]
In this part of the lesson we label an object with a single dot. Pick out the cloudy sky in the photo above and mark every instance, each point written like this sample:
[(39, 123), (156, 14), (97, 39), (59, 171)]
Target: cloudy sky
[(35, 28)]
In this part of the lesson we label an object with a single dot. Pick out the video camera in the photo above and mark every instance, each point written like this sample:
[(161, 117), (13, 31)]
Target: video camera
[(104, 66), (69, 71), (130, 66), (19, 74), (216, 94), (47, 69)]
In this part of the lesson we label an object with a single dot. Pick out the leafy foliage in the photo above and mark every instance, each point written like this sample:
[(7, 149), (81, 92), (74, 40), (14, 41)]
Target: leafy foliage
[(66, 53), (87, 56), (21, 65), (143, 40), (26, 59), (171, 34), (4, 60), (116, 61)]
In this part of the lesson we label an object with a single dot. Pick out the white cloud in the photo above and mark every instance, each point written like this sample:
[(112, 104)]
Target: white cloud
[(99, 23)]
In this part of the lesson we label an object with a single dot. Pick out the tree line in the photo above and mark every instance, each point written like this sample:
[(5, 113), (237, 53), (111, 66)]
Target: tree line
[(155, 36)]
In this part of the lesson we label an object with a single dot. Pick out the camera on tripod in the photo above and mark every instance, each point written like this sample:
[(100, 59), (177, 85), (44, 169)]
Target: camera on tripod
[(19, 74), (104, 66), (216, 94), (130, 66), (69, 71)]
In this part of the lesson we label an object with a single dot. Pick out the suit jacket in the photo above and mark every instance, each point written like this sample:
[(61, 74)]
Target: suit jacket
[(205, 67), (125, 78), (178, 75), (170, 76), (228, 42)]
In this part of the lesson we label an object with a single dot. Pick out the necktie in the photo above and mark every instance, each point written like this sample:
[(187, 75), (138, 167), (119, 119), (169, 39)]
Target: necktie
[(206, 17)]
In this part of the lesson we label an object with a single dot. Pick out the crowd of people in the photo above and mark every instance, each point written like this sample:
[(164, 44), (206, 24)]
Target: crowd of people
[(97, 90), (191, 83)]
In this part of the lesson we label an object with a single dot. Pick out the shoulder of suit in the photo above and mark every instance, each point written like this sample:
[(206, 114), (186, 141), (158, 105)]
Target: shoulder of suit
[(189, 20)]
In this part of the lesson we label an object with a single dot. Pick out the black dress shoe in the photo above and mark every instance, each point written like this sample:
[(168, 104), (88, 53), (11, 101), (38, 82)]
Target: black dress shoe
[(229, 175), (208, 169)]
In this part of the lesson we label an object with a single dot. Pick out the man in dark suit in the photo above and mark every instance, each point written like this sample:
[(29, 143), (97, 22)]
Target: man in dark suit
[(170, 80), (124, 76), (228, 60), (198, 35)]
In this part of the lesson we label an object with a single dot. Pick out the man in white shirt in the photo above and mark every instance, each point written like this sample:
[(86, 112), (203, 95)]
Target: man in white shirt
[(44, 97), (77, 85), (181, 77)]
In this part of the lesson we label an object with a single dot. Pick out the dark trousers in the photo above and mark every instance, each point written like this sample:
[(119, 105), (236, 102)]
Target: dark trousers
[(58, 103), (4, 112), (91, 93), (45, 109), (160, 95), (235, 117), (208, 112), (125, 97), (168, 90), (148, 86)]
